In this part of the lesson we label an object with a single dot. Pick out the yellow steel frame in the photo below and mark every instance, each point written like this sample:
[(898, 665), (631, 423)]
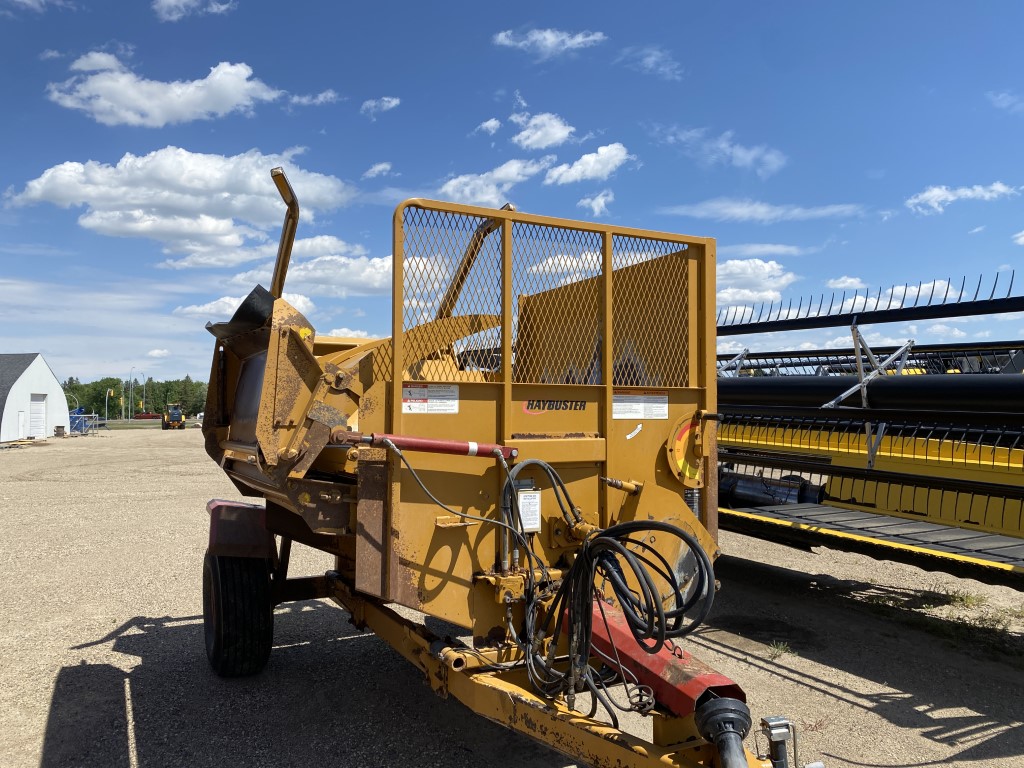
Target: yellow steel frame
[(505, 698), (434, 558), (928, 458), (700, 301), (392, 544)]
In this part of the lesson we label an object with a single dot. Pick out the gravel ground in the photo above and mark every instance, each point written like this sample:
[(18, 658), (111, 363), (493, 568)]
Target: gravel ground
[(102, 661)]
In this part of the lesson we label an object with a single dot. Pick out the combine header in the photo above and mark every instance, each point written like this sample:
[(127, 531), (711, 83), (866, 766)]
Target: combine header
[(913, 453), (526, 459)]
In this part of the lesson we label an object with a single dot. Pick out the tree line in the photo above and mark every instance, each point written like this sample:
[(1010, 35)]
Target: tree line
[(111, 397)]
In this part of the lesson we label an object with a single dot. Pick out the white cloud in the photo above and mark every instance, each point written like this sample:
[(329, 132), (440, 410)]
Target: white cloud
[(874, 339), (731, 209), (130, 316), (330, 275), (325, 245), (224, 307), (491, 188), (846, 283), (113, 95), (329, 96), (210, 210), (651, 60), (933, 292), (976, 230), (751, 280), (49, 54), (747, 250), (1019, 238), (548, 43), (345, 332), (96, 61), (158, 353), (598, 204), (722, 150), (935, 199), (490, 127), (566, 263), (372, 107), (596, 166), (176, 10), (34, 250), (377, 169), (220, 309), (302, 303), (308, 247), (947, 331), (543, 131), (1011, 102), (39, 5), (730, 346)]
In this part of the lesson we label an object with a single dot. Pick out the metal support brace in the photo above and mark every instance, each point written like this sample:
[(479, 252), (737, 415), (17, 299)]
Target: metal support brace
[(899, 357), (860, 351), (874, 442), (736, 362)]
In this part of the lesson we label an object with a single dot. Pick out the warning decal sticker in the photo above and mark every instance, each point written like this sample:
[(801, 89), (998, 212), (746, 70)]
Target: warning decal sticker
[(430, 398), (632, 404)]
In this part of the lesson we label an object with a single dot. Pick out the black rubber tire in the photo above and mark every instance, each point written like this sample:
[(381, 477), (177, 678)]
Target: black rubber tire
[(238, 614), (163, 424)]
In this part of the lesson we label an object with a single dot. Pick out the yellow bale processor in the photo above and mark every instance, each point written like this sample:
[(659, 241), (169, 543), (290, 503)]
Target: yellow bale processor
[(526, 459)]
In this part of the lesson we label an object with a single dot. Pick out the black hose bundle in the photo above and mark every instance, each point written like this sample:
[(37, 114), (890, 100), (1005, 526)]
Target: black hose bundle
[(653, 618), (615, 556), (649, 621)]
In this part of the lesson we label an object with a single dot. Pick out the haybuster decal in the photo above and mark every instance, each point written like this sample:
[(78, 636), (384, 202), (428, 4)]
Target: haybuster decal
[(534, 407)]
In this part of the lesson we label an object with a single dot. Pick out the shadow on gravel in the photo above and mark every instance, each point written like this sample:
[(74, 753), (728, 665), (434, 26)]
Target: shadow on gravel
[(954, 685), (330, 696)]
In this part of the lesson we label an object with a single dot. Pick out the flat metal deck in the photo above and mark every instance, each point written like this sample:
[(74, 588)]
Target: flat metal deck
[(854, 529)]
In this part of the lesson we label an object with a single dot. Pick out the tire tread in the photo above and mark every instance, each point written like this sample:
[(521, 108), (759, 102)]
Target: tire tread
[(239, 626)]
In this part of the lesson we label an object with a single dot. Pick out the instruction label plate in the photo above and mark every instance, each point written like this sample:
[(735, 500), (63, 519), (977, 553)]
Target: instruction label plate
[(529, 510), (643, 404), (430, 398)]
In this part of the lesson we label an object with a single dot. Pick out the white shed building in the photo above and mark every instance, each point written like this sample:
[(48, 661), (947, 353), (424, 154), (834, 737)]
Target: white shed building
[(32, 402)]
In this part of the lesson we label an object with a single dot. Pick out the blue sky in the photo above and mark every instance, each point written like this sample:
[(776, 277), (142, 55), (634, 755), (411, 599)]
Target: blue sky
[(824, 145)]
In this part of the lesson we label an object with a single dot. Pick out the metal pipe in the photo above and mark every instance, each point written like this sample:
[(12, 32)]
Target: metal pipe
[(779, 732), (476, 242), (627, 486), (736, 488), (291, 222), (342, 436), (976, 391)]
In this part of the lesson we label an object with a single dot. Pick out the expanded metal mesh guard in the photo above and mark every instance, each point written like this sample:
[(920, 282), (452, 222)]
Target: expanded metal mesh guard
[(651, 345), (451, 299), (435, 244), (557, 293)]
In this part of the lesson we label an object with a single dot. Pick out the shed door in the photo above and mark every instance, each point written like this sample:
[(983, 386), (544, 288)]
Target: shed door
[(37, 417)]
